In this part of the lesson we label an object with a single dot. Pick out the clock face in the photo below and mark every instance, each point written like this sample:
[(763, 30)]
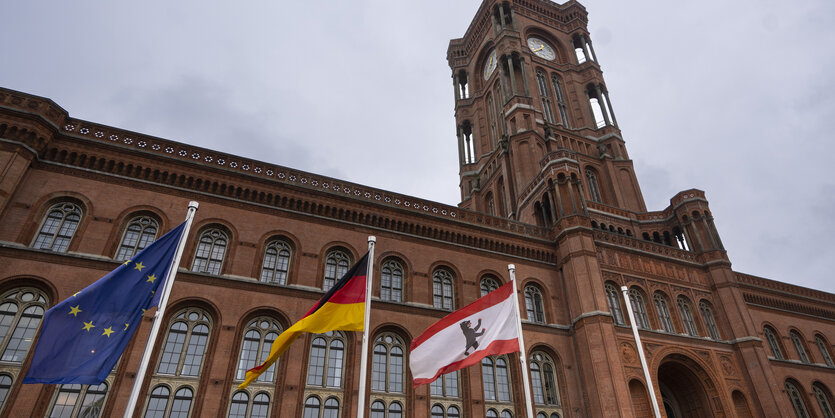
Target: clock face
[(490, 65), (541, 48)]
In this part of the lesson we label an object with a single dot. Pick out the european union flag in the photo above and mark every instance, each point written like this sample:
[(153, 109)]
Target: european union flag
[(83, 337)]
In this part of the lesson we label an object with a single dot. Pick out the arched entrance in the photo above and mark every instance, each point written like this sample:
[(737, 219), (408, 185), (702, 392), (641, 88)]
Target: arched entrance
[(686, 389)]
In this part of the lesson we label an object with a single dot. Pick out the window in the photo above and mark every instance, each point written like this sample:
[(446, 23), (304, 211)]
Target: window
[(561, 104), (613, 298), (240, 405), (687, 317), (445, 386), (773, 343), (636, 298), (543, 380), (495, 379), (185, 344), (824, 399), (594, 190), (488, 284), (58, 227), (442, 289), (710, 321), (387, 365), (547, 113), (160, 407), (796, 400), (391, 281), (379, 410), (210, 251), (5, 386), (327, 353), (491, 117), (258, 339), (797, 340), (140, 232), (533, 304), (336, 265), (451, 412), (664, 313), (824, 349), (276, 262), (78, 401), (21, 312)]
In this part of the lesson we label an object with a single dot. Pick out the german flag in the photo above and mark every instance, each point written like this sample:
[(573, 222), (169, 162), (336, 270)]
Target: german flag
[(341, 309)]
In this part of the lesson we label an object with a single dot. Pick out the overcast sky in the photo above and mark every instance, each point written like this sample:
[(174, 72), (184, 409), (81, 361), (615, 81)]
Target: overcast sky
[(734, 98)]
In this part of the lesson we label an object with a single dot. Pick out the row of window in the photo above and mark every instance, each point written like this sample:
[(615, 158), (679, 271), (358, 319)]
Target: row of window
[(800, 404), (799, 343)]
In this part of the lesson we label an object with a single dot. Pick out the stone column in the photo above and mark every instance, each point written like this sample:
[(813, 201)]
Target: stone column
[(600, 102), (708, 232), (584, 41), (496, 25), (524, 77), (611, 111), (593, 123), (579, 184), (505, 84), (556, 192), (501, 16), (509, 60), (591, 48), (461, 144), (457, 88)]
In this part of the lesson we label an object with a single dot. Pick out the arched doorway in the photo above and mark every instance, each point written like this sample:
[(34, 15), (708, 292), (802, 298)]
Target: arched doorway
[(686, 389)]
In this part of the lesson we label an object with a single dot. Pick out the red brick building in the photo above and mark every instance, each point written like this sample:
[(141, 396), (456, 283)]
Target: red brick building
[(546, 184)]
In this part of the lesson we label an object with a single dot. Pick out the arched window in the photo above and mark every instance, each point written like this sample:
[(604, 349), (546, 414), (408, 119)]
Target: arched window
[(276, 262), (331, 408), (613, 299), (445, 386), (710, 321), (543, 380), (260, 406), (663, 313), (161, 405), (770, 336), (185, 344), (488, 284), (442, 289), (495, 379), (437, 411), (824, 399), (687, 317), (211, 249), (21, 312), (258, 339), (636, 298), (140, 232), (507, 414), (533, 304), (327, 354), (158, 402), (594, 190), (313, 408), (378, 409), (561, 102), (796, 400), (547, 113), (387, 366), (336, 265), (798, 345), (79, 401), (239, 406), (491, 413), (5, 386), (823, 346), (453, 412), (391, 281), (58, 227)]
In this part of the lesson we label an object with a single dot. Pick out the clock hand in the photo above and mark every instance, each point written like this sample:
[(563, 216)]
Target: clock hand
[(538, 49)]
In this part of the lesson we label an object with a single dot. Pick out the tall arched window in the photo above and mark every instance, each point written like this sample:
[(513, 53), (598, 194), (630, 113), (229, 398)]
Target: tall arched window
[(824, 399), (796, 400), (78, 401), (636, 298), (687, 317), (185, 344), (276, 262), (488, 284), (710, 321), (387, 367), (327, 358), (255, 348), (391, 281), (561, 102), (58, 227), (823, 346), (797, 340), (445, 386), (541, 82), (771, 337), (211, 248), (594, 189), (240, 406), (140, 232), (336, 265), (312, 407), (613, 299), (160, 404), (495, 379), (442, 289), (533, 304), (21, 312), (663, 310), (543, 380)]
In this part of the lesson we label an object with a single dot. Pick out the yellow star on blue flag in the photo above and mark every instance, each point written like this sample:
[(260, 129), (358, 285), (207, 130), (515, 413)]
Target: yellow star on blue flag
[(83, 337)]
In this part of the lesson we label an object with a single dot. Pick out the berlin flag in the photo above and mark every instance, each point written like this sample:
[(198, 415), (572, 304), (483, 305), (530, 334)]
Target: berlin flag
[(483, 328)]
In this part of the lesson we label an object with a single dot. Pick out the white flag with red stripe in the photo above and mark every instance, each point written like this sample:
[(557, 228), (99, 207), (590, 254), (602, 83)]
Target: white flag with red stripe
[(483, 328)]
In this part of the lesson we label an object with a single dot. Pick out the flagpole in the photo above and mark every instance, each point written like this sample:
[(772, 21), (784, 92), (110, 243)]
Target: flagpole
[(655, 410), (369, 279), (511, 268), (163, 301)]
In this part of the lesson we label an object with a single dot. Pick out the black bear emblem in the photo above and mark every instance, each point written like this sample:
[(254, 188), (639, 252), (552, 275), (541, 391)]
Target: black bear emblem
[(470, 334)]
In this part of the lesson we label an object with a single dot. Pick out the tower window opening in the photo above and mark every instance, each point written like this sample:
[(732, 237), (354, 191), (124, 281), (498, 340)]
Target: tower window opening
[(560, 96), (463, 86), (547, 113)]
